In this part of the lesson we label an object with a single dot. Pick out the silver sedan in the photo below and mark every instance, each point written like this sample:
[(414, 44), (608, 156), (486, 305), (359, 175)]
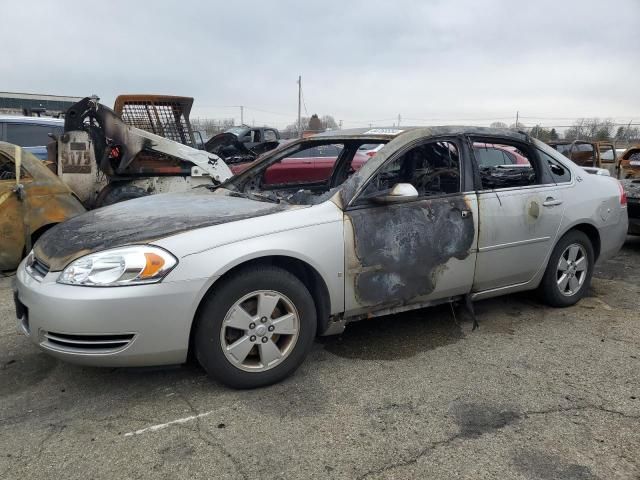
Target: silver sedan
[(246, 274)]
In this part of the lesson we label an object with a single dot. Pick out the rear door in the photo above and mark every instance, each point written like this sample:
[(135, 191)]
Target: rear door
[(412, 253), (520, 209)]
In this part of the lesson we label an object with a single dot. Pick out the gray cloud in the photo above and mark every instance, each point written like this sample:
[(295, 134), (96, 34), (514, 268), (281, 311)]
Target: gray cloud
[(431, 61)]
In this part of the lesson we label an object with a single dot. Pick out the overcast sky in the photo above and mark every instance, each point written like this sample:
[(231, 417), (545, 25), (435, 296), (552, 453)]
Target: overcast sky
[(433, 62)]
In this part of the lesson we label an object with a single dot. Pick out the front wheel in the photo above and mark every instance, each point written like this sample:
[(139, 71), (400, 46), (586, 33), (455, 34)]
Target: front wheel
[(569, 271), (256, 328)]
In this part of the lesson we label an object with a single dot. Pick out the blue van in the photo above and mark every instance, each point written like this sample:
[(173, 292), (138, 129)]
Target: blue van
[(31, 133)]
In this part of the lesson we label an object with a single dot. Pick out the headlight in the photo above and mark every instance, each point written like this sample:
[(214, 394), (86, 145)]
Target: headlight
[(133, 265)]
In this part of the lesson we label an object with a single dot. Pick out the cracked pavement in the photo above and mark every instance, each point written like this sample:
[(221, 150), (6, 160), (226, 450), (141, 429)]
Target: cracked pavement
[(535, 393)]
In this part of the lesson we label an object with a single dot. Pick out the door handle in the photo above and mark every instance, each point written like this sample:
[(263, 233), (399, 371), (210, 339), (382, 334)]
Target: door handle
[(465, 213), (551, 202)]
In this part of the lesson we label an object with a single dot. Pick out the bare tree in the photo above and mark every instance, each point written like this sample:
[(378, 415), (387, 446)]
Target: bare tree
[(499, 125)]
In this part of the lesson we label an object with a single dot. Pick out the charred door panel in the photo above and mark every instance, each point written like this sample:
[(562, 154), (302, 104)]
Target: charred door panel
[(409, 253)]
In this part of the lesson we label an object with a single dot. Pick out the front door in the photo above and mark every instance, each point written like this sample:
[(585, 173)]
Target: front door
[(11, 218), (521, 209), (416, 252)]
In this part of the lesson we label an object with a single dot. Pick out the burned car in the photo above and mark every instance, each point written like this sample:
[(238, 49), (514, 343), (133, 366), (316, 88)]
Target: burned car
[(243, 143), (32, 200), (630, 178), (244, 275)]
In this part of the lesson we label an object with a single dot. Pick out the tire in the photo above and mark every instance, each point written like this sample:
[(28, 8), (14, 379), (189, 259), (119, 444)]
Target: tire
[(220, 347), (559, 291), (122, 193)]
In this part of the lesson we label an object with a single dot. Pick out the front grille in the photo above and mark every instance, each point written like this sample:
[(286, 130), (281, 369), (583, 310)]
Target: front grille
[(87, 343)]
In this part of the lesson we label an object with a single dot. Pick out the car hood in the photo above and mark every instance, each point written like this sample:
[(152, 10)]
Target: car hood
[(143, 220)]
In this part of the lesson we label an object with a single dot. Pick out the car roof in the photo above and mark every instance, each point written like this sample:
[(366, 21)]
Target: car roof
[(389, 133), (34, 120)]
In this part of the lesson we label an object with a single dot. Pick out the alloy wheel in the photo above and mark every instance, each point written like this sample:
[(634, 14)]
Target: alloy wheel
[(572, 270), (260, 331)]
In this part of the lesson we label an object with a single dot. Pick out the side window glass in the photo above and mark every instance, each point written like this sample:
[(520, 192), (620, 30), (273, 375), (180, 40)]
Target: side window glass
[(28, 135), (559, 173), (503, 166), (432, 168)]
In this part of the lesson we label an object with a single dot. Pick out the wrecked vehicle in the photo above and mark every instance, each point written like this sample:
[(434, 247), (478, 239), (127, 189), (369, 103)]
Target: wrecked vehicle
[(32, 200), (630, 179), (589, 154), (245, 275), (243, 144), (106, 160)]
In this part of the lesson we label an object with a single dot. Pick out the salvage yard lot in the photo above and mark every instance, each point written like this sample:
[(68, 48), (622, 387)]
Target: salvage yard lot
[(536, 392)]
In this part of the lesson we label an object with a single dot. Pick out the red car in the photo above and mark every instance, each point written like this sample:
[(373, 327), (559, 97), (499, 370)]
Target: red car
[(310, 165)]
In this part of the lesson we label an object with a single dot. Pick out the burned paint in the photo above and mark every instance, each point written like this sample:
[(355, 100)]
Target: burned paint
[(143, 220), (46, 201), (401, 249)]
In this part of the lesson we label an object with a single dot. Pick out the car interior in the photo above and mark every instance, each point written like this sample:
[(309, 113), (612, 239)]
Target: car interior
[(252, 182), (498, 168)]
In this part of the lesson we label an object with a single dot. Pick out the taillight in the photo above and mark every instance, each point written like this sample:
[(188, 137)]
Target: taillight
[(623, 195)]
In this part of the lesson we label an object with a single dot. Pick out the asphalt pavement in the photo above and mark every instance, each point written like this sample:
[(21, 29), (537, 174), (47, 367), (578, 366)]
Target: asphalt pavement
[(534, 393)]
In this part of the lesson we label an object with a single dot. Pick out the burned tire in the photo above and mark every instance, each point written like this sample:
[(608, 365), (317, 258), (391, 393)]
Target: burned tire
[(256, 328), (122, 193), (569, 270)]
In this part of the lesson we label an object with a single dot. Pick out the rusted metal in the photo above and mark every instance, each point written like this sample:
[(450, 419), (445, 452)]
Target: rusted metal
[(164, 115), (44, 201), (627, 168), (586, 153)]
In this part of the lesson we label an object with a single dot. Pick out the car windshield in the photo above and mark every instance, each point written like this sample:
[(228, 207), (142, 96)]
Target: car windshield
[(302, 172), (236, 130)]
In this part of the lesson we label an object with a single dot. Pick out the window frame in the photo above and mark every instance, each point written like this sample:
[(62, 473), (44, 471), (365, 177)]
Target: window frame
[(548, 168), (357, 202), (543, 176)]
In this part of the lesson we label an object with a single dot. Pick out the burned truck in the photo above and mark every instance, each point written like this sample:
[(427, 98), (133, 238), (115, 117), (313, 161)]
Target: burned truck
[(147, 146)]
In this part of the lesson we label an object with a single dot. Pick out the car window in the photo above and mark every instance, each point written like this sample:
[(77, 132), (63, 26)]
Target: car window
[(8, 169), (310, 165), (503, 166), (606, 153), (30, 135), (559, 172), (491, 156), (270, 136), (432, 168)]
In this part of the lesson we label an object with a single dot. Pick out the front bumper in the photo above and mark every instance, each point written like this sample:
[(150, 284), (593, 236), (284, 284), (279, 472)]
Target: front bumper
[(137, 325)]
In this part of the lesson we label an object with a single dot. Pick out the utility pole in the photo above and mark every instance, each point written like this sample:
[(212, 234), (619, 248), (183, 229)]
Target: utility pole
[(340, 125), (399, 118), (241, 115), (299, 106), (517, 115)]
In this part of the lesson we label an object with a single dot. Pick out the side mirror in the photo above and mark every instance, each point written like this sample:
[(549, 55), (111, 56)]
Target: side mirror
[(400, 193)]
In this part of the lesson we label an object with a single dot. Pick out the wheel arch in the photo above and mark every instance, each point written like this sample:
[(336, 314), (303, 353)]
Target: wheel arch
[(591, 232), (302, 270)]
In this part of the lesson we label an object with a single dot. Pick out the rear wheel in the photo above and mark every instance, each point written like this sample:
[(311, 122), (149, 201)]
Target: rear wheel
[(569, 271), (256, 328)]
